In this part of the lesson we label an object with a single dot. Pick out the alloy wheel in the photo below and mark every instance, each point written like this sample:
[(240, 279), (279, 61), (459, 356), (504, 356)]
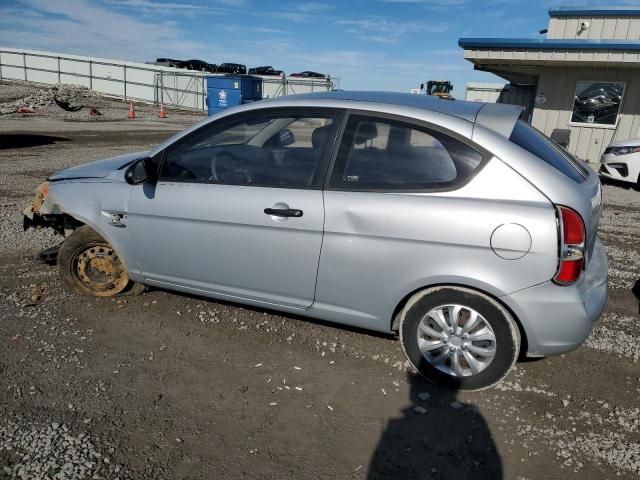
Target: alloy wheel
[(457, 340)]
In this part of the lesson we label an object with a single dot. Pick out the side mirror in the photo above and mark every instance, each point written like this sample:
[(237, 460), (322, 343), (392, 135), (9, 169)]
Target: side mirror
[(141, 171), (151, 168)]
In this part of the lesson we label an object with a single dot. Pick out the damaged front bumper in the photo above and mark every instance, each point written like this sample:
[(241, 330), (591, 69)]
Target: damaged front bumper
[(41, 207), (43, 212)]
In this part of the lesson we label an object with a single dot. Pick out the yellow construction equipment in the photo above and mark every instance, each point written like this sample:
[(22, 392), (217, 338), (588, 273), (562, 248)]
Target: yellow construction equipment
[(439, 88)]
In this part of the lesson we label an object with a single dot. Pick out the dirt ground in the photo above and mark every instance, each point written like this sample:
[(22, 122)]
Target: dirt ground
[(170, 386)]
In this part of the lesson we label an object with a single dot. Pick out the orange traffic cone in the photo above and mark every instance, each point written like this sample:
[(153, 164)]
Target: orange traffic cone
[(163, 114), (132, 113)]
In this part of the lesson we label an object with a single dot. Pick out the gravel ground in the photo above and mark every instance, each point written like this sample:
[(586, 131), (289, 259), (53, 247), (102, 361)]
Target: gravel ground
[(172, 386)]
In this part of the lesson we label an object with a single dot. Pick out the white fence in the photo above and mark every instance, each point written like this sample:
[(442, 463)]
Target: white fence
[(134, 81)]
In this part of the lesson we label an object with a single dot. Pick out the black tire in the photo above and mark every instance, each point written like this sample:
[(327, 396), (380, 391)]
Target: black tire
[(504, 329), (114, 278), (133, 289)]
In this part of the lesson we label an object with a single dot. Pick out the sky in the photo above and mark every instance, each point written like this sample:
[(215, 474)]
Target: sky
[(368, 44)]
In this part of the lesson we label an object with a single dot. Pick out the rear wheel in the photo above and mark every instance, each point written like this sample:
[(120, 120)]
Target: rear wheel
[(89, 265), (459, 338)]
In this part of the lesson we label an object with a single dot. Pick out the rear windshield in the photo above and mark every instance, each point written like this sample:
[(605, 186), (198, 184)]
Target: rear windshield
[(527, 137)]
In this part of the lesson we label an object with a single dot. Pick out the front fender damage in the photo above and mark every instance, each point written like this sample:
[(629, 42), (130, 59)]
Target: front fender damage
[(43, 212)]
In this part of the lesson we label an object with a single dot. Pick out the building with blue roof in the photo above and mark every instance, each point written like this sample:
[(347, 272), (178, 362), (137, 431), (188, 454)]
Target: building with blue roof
[(579, 81)]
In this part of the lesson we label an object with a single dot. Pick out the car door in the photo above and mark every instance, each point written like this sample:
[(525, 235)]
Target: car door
[(389, 225), (238, 208)]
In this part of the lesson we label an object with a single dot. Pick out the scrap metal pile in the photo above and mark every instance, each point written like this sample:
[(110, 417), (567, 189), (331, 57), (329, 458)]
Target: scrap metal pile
[(22, 97)]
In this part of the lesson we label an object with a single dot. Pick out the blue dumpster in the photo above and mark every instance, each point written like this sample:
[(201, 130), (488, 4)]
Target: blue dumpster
[(229, 91)]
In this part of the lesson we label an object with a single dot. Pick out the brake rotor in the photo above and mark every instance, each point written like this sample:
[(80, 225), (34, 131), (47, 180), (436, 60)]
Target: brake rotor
[(99, 269)]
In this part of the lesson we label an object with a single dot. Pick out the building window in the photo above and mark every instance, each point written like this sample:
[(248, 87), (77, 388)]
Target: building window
[(597, 103)]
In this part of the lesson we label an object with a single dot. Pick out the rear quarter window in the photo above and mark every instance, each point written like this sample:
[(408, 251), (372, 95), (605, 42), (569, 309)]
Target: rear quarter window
[(547, 150), (391, 155)]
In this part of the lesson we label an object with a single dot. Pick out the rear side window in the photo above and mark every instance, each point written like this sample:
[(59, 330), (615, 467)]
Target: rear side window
[(535, 142), (382, 154)]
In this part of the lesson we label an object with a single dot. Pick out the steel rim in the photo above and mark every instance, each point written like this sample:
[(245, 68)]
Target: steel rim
[(456, 340), (98, 269)]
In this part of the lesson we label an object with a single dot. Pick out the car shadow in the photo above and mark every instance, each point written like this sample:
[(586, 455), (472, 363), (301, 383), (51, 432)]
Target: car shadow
[(619, 183), (279, 313), (49, 256), (27, 140), (449, 439), (149, 190)]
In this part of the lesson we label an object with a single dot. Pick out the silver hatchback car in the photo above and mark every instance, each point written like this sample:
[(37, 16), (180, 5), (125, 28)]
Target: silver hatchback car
[(453, 224)]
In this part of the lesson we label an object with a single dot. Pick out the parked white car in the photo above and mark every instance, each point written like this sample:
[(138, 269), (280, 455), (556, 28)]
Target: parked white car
[(621, 161)]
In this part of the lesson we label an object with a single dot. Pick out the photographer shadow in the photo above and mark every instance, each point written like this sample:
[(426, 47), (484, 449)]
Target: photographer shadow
[(450, 441), (636, 292)]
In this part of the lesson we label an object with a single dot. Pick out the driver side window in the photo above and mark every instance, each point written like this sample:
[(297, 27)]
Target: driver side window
[(273, 150)]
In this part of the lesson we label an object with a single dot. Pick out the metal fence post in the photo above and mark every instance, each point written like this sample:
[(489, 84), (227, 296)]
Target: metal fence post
[(24, 64), (90, 75), (124, 78), (161, 89), (0, 65), (59, 80)]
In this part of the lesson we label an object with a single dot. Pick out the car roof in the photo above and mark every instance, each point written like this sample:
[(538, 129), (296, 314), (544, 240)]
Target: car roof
[(495, 116)]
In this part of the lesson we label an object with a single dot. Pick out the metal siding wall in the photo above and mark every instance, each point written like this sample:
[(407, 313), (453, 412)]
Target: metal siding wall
[(489, 93), (516, 96), (595, 31), (634, 30), (559, 85), (632, 104), (612, 27), (497, 93), (609, 28), (622, 29), (556, 28)]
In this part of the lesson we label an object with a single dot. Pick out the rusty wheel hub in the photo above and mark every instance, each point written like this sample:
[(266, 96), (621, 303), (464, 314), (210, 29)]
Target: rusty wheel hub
[(99, 269)]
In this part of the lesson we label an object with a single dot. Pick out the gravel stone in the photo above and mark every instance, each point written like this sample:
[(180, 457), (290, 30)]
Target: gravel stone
[(40, 450)]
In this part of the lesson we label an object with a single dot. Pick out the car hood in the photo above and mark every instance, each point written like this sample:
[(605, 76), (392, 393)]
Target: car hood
[(632, 142), (98, 168)]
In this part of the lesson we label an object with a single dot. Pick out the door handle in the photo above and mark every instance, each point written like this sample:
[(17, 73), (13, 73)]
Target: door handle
[(283, 212)]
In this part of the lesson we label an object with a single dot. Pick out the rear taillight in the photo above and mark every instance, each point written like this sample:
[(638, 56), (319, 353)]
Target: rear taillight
[(572, 240)]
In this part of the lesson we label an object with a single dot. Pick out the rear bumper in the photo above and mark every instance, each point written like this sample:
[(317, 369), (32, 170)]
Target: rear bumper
[(557, 319)]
